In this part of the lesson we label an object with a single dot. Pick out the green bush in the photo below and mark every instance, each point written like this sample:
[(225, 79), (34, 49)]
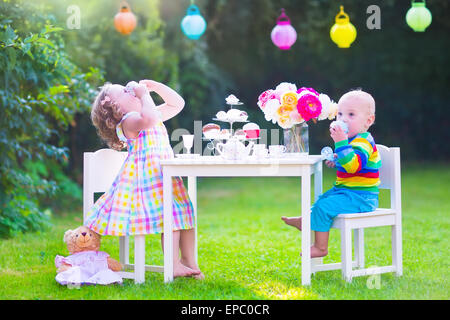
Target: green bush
[(40, 92)]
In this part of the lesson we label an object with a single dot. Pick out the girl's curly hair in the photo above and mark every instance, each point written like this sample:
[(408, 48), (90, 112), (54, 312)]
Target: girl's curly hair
[(105, 115)]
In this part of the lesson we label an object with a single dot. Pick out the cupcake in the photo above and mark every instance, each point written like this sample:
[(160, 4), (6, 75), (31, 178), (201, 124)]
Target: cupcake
[(251, 130), (240, 134), (221, 115), (224, 134), (211, 130), (237, 115)]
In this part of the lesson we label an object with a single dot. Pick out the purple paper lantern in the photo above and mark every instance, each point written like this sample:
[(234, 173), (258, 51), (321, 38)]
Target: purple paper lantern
[(283, 34)]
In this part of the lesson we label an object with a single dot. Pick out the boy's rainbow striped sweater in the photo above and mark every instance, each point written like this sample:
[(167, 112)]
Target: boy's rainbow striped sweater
[(358, 164)]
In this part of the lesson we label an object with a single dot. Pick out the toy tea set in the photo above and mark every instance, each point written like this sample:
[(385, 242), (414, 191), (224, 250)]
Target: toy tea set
[(229, 143)]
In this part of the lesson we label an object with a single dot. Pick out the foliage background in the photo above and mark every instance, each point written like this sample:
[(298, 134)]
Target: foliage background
[(45, 99)]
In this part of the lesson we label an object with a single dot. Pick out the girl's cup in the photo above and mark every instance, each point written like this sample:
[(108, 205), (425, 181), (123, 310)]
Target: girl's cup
[(188, 141)]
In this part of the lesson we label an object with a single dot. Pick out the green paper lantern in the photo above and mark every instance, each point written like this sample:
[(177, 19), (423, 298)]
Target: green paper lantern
[(418, 16)]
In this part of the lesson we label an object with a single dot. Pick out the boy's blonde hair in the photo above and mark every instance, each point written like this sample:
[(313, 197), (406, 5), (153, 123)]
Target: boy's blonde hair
[(105, 116), (366, 99)]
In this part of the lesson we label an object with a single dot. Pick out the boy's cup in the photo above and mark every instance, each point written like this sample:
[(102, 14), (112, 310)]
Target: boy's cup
[(188, 141), (277, 150)]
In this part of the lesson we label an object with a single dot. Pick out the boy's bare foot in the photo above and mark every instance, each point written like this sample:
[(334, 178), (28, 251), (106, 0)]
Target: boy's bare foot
[(293, 221), (180, 270), (193, 266), (317, 253)]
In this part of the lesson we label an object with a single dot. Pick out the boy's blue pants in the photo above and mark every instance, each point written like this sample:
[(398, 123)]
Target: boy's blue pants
[(339, 200)]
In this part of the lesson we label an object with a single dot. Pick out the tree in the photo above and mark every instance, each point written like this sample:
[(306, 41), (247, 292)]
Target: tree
[(40, 91)]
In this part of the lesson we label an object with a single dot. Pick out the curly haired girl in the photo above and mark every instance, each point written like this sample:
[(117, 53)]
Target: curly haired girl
[(127, 116)]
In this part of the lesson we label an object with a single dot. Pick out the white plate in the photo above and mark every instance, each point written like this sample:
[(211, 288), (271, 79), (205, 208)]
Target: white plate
[(187, 155), (231, 120)]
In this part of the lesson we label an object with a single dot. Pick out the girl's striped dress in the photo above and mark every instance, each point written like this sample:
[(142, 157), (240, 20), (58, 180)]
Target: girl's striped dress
[(134, 204)]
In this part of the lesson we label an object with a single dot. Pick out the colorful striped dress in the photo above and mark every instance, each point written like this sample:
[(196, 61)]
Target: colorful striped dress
[(358, 164), (134, 204)]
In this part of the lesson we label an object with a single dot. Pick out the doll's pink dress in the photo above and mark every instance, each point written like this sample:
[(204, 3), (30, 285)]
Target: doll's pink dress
[(88, 267)]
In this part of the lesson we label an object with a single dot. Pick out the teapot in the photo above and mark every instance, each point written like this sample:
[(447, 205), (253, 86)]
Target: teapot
[(234, 149)]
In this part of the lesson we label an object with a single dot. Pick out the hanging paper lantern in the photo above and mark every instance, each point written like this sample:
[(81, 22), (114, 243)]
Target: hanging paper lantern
[(193, 24), (343, 33), (283, 35), (125, 20), (418, 16)]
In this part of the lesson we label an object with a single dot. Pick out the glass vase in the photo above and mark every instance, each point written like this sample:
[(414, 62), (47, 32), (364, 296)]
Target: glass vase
[(296, 140)]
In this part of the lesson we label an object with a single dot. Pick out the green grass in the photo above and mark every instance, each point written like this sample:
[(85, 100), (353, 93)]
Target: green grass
[(247, 252)]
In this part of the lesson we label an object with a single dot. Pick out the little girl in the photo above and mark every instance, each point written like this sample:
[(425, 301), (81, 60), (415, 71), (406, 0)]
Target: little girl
[(357, 177), (134, 205)]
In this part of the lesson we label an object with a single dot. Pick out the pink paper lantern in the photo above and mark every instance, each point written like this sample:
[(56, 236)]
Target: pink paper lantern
[(283, 34)]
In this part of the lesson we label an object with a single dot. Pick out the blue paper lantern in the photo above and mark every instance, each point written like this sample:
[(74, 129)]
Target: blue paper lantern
[(193, 24)]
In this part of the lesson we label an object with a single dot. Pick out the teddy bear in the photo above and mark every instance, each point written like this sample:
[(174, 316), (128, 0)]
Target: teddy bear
[(86, 264)]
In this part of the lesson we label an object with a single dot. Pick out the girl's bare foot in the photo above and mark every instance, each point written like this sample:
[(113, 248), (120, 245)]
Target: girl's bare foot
[(293, 221), (193, 266), (180, 270), (317, 253)]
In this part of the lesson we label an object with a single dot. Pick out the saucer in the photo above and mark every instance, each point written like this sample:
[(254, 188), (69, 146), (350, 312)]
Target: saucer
[(187, 155)]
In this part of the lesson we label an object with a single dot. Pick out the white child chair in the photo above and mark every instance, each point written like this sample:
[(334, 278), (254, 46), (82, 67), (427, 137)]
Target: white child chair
[(390, 179), (99, 170)]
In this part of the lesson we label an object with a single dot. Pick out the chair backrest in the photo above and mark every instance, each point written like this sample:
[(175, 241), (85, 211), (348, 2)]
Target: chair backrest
[(99, 171), (390, 174)]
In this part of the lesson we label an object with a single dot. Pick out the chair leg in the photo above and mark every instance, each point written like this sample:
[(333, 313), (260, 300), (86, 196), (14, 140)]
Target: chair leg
[(359, 247), (124, 250), (346, 252), (139, 259), (397, 260)]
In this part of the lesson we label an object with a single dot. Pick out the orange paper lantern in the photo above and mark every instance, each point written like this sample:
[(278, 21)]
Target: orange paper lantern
[(125, 20)]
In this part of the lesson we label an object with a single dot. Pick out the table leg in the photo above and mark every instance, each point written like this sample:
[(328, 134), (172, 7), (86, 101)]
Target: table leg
[(318, 185), (306, 227), (192, 191), (168, 228)]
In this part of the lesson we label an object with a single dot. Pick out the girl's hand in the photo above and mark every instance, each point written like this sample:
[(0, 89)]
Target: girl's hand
[(150, 84), (337, 134), (141, 90)]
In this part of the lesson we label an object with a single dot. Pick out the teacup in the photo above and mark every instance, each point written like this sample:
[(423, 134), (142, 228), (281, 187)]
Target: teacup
[(260, 150), (261, 153), (276, 150)]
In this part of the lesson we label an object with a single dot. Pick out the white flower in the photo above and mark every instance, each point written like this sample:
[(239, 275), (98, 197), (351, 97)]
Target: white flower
[(271, 109), (285, 86), (231, 99), (333, 110), (326, 103), (285, 122)]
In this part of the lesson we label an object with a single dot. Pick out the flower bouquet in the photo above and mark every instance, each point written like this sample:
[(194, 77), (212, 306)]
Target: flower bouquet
[(291, 108)]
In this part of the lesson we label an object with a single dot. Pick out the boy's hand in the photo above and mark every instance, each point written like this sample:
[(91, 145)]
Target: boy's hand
[(337, 134), (150, 84), (331, 164), (141, 90)]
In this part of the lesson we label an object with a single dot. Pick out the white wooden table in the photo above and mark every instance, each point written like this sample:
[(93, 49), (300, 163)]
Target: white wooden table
[(213, 166)]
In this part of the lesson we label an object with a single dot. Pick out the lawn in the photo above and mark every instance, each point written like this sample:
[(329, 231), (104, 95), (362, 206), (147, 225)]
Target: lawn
[(247, 252)]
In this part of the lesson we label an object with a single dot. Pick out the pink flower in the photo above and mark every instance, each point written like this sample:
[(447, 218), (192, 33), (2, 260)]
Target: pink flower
[(309, 106), (307, 89), (263, 98)]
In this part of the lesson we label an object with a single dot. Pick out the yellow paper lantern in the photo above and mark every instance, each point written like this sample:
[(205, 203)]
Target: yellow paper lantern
[(343, 33)]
